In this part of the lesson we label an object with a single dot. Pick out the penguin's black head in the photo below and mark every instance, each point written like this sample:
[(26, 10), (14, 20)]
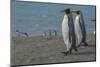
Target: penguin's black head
[(78, 12), (67, 11)]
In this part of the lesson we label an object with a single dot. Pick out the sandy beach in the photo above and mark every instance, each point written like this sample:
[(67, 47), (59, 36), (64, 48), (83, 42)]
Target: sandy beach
[(40, 50)]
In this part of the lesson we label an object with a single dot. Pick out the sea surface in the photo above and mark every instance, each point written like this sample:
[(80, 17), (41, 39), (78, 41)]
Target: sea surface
[(36, 18)]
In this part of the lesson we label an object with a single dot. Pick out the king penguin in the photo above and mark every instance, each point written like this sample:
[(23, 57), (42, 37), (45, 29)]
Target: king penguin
[(80, 31), (68, 32)]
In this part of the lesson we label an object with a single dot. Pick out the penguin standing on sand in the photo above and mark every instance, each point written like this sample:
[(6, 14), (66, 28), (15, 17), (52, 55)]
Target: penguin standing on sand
[(68, 32), (80, 31)]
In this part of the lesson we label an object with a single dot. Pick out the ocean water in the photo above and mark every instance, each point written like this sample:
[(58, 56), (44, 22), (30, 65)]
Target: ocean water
[(35, 18)]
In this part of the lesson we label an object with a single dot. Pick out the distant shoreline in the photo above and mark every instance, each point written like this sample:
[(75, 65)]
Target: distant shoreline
[(90, 33)]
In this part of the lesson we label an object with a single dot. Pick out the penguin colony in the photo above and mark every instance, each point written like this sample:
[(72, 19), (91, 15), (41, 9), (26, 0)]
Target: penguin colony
[(73, 32)]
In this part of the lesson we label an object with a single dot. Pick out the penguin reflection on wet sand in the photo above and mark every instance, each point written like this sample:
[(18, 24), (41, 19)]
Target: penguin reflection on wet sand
[(68, 32), (80, 30)]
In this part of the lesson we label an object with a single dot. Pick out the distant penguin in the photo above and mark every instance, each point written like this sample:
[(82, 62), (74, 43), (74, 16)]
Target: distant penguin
[(55, 32), (19, 33), (44, 34), (80, 30), (26, 34), (94, 33), (68, 32), (50, 33)]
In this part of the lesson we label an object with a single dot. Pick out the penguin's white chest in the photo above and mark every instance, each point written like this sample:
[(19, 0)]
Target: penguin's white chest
[(65, 28), (78, 31), (65, 32)]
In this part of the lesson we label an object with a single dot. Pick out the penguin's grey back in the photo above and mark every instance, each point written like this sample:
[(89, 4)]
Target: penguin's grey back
[(72, 31), (82, 25)]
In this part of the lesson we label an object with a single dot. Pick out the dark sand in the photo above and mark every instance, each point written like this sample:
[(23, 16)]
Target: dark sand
[(39, 50)]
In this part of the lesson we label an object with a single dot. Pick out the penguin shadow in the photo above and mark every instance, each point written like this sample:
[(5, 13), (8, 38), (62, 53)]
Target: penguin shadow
[(92, 45), (84, 53), (78, 53), (86, 45)]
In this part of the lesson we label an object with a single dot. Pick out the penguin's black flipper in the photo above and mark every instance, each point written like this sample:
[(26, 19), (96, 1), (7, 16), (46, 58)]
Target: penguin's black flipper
[(86, 44)]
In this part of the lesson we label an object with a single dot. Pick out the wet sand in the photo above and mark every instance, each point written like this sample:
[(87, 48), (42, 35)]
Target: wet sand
[(40, 50)]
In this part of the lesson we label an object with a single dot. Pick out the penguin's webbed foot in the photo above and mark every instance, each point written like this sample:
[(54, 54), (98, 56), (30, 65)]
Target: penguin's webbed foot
[(66, 53), (85, 44), (76, 49), (78, 45)]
